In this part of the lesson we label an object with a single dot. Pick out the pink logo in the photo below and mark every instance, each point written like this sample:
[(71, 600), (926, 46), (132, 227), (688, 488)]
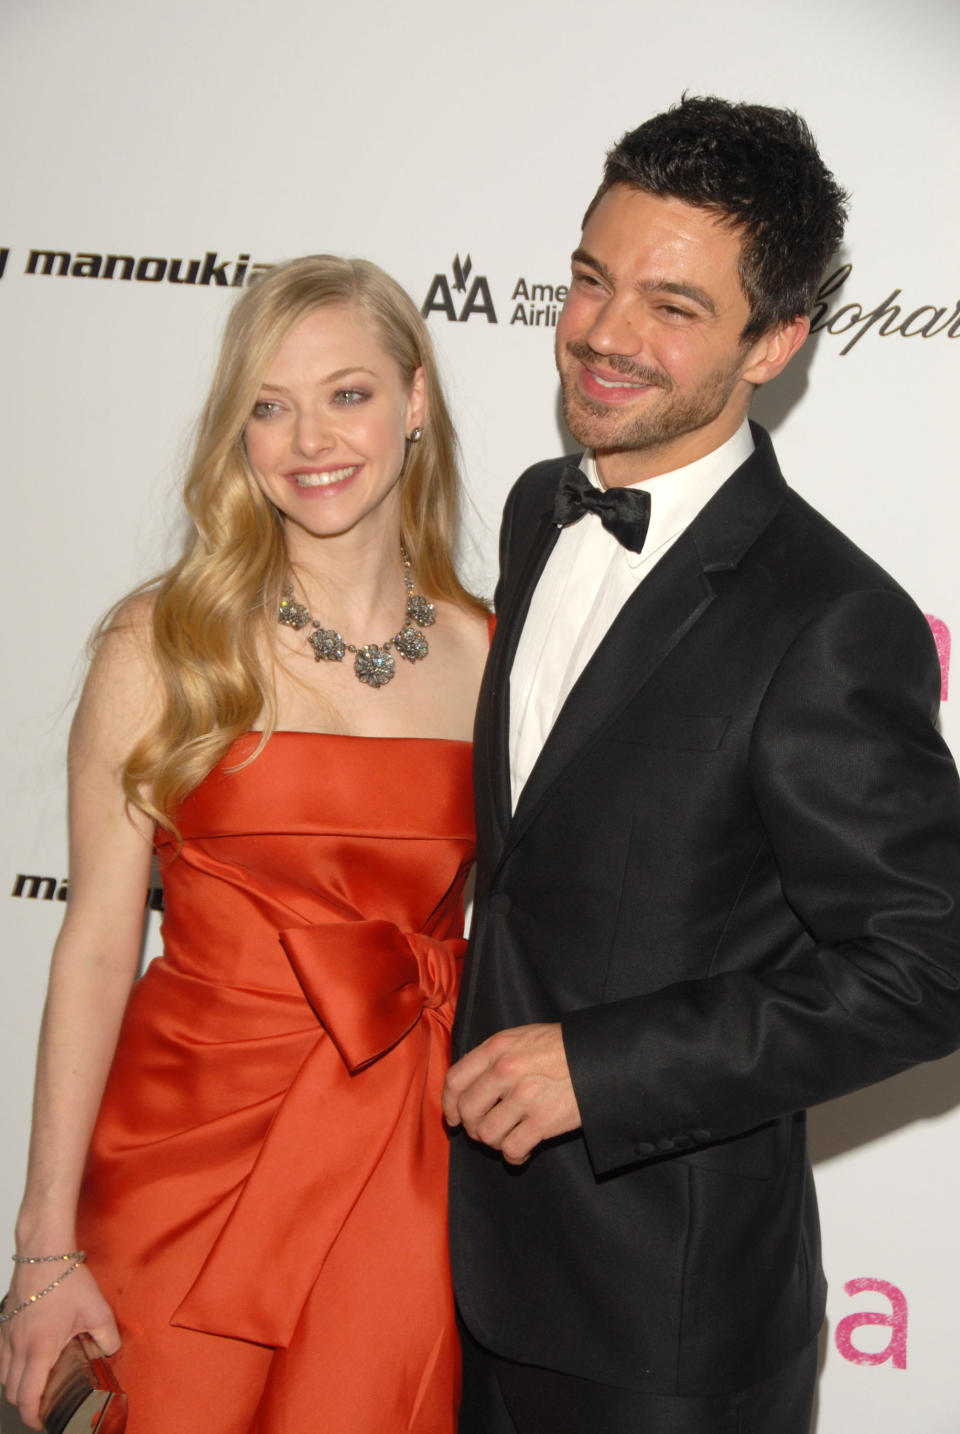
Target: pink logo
[(896, 1321), (941, 636)]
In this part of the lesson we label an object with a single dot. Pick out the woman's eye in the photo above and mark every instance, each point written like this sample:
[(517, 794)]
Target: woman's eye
[(265, 408), (350, 396)]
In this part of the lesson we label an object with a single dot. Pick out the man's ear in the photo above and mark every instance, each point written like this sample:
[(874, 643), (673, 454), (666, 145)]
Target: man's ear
[(773, 351)]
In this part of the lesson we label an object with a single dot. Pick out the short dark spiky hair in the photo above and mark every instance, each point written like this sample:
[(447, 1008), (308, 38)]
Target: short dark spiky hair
[(759, 170)]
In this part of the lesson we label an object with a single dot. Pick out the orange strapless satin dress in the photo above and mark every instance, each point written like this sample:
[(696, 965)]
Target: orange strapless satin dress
[(265, 1200)]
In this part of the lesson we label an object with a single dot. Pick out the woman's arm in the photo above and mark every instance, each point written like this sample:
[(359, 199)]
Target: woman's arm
[(94, 965)]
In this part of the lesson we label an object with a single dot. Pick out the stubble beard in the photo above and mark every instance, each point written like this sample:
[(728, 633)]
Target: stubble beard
[(606, 430)]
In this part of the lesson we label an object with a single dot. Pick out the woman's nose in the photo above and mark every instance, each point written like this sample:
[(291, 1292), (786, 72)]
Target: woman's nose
[(311, 434)]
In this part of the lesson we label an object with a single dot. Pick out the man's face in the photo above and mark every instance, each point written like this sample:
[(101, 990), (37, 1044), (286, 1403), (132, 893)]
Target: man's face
[(648, 344)]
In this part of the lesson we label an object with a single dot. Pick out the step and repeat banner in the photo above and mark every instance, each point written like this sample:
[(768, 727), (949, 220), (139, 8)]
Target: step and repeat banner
[(156, 157)]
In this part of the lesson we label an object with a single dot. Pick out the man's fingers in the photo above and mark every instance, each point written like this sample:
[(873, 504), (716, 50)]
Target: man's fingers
[(520, 1144), (480, 1099), (482, 1068), (496, 1124), (460, 1077), (497, 1076), (513, 1091)]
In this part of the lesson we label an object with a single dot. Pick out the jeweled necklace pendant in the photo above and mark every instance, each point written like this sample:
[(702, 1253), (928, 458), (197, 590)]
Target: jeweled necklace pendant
[(328, 646), (373, 663), (292, 614)]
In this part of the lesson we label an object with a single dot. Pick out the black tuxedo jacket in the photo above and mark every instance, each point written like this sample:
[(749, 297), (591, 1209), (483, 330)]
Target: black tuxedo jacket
[(733, 876)]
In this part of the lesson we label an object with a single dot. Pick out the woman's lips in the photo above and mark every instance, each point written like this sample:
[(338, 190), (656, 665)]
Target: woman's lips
[(317, 479)]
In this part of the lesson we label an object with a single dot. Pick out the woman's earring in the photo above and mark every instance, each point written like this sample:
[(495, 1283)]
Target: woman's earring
[(415, 436)]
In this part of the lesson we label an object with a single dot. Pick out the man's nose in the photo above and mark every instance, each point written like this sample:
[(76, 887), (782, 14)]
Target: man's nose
[(617, 329)]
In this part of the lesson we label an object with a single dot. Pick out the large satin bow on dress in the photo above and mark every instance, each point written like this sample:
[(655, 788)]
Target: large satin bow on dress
[(384, 998)]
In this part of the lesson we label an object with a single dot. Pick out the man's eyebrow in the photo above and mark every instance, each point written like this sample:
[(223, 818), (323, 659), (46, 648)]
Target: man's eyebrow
[(651, 286), (581, 256), (683, 291)]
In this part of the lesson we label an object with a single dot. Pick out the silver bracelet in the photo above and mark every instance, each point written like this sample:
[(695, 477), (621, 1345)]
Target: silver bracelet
[(46, 1259), (6, 1314)]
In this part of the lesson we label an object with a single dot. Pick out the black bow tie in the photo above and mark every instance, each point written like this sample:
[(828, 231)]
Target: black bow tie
[(624, 512)]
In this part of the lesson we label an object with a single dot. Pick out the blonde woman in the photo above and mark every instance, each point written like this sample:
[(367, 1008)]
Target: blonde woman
[(285, 717)]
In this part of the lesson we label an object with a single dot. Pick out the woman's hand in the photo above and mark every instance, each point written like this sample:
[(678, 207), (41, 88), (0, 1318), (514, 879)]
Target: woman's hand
[(31, 1341), (94, 965)]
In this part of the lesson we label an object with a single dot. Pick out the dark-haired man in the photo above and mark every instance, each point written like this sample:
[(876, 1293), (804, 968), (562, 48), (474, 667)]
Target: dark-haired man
[(719, 835)]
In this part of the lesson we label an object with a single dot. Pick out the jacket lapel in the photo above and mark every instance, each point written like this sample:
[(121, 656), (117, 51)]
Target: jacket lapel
[(651, 623), (492, 738)]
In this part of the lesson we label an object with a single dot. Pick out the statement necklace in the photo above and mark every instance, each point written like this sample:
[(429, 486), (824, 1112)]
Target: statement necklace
[(373, 664)]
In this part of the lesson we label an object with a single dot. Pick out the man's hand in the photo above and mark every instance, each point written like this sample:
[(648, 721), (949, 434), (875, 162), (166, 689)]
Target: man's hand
[(513, 1090)]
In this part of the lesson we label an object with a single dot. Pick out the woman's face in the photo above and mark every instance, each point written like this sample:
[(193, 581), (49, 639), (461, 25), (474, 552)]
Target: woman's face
[(326, 438)]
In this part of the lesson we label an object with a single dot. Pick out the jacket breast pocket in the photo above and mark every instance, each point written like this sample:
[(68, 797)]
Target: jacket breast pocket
[(682, 731)]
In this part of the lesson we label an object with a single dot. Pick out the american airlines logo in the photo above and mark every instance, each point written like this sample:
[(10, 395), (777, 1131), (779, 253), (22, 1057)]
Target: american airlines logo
[(461, 294), (459, 297)]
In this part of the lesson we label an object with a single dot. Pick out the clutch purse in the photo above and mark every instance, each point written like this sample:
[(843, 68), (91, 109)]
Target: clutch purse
[(82, 1393)]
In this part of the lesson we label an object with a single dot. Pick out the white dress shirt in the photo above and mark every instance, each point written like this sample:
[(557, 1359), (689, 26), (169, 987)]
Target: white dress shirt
[(587, 579)]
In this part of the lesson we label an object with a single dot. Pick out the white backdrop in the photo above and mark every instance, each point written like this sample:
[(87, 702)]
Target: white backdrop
[(439, 141)]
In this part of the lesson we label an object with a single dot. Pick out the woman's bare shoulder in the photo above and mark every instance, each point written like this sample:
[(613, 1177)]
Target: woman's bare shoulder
[(121, 695), (470, 626), (131, 619)]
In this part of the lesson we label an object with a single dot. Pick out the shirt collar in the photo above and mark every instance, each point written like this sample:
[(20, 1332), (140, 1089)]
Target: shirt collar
[(677, 497)]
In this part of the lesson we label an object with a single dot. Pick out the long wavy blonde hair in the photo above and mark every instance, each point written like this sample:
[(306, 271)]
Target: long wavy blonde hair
[(212, 610)]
